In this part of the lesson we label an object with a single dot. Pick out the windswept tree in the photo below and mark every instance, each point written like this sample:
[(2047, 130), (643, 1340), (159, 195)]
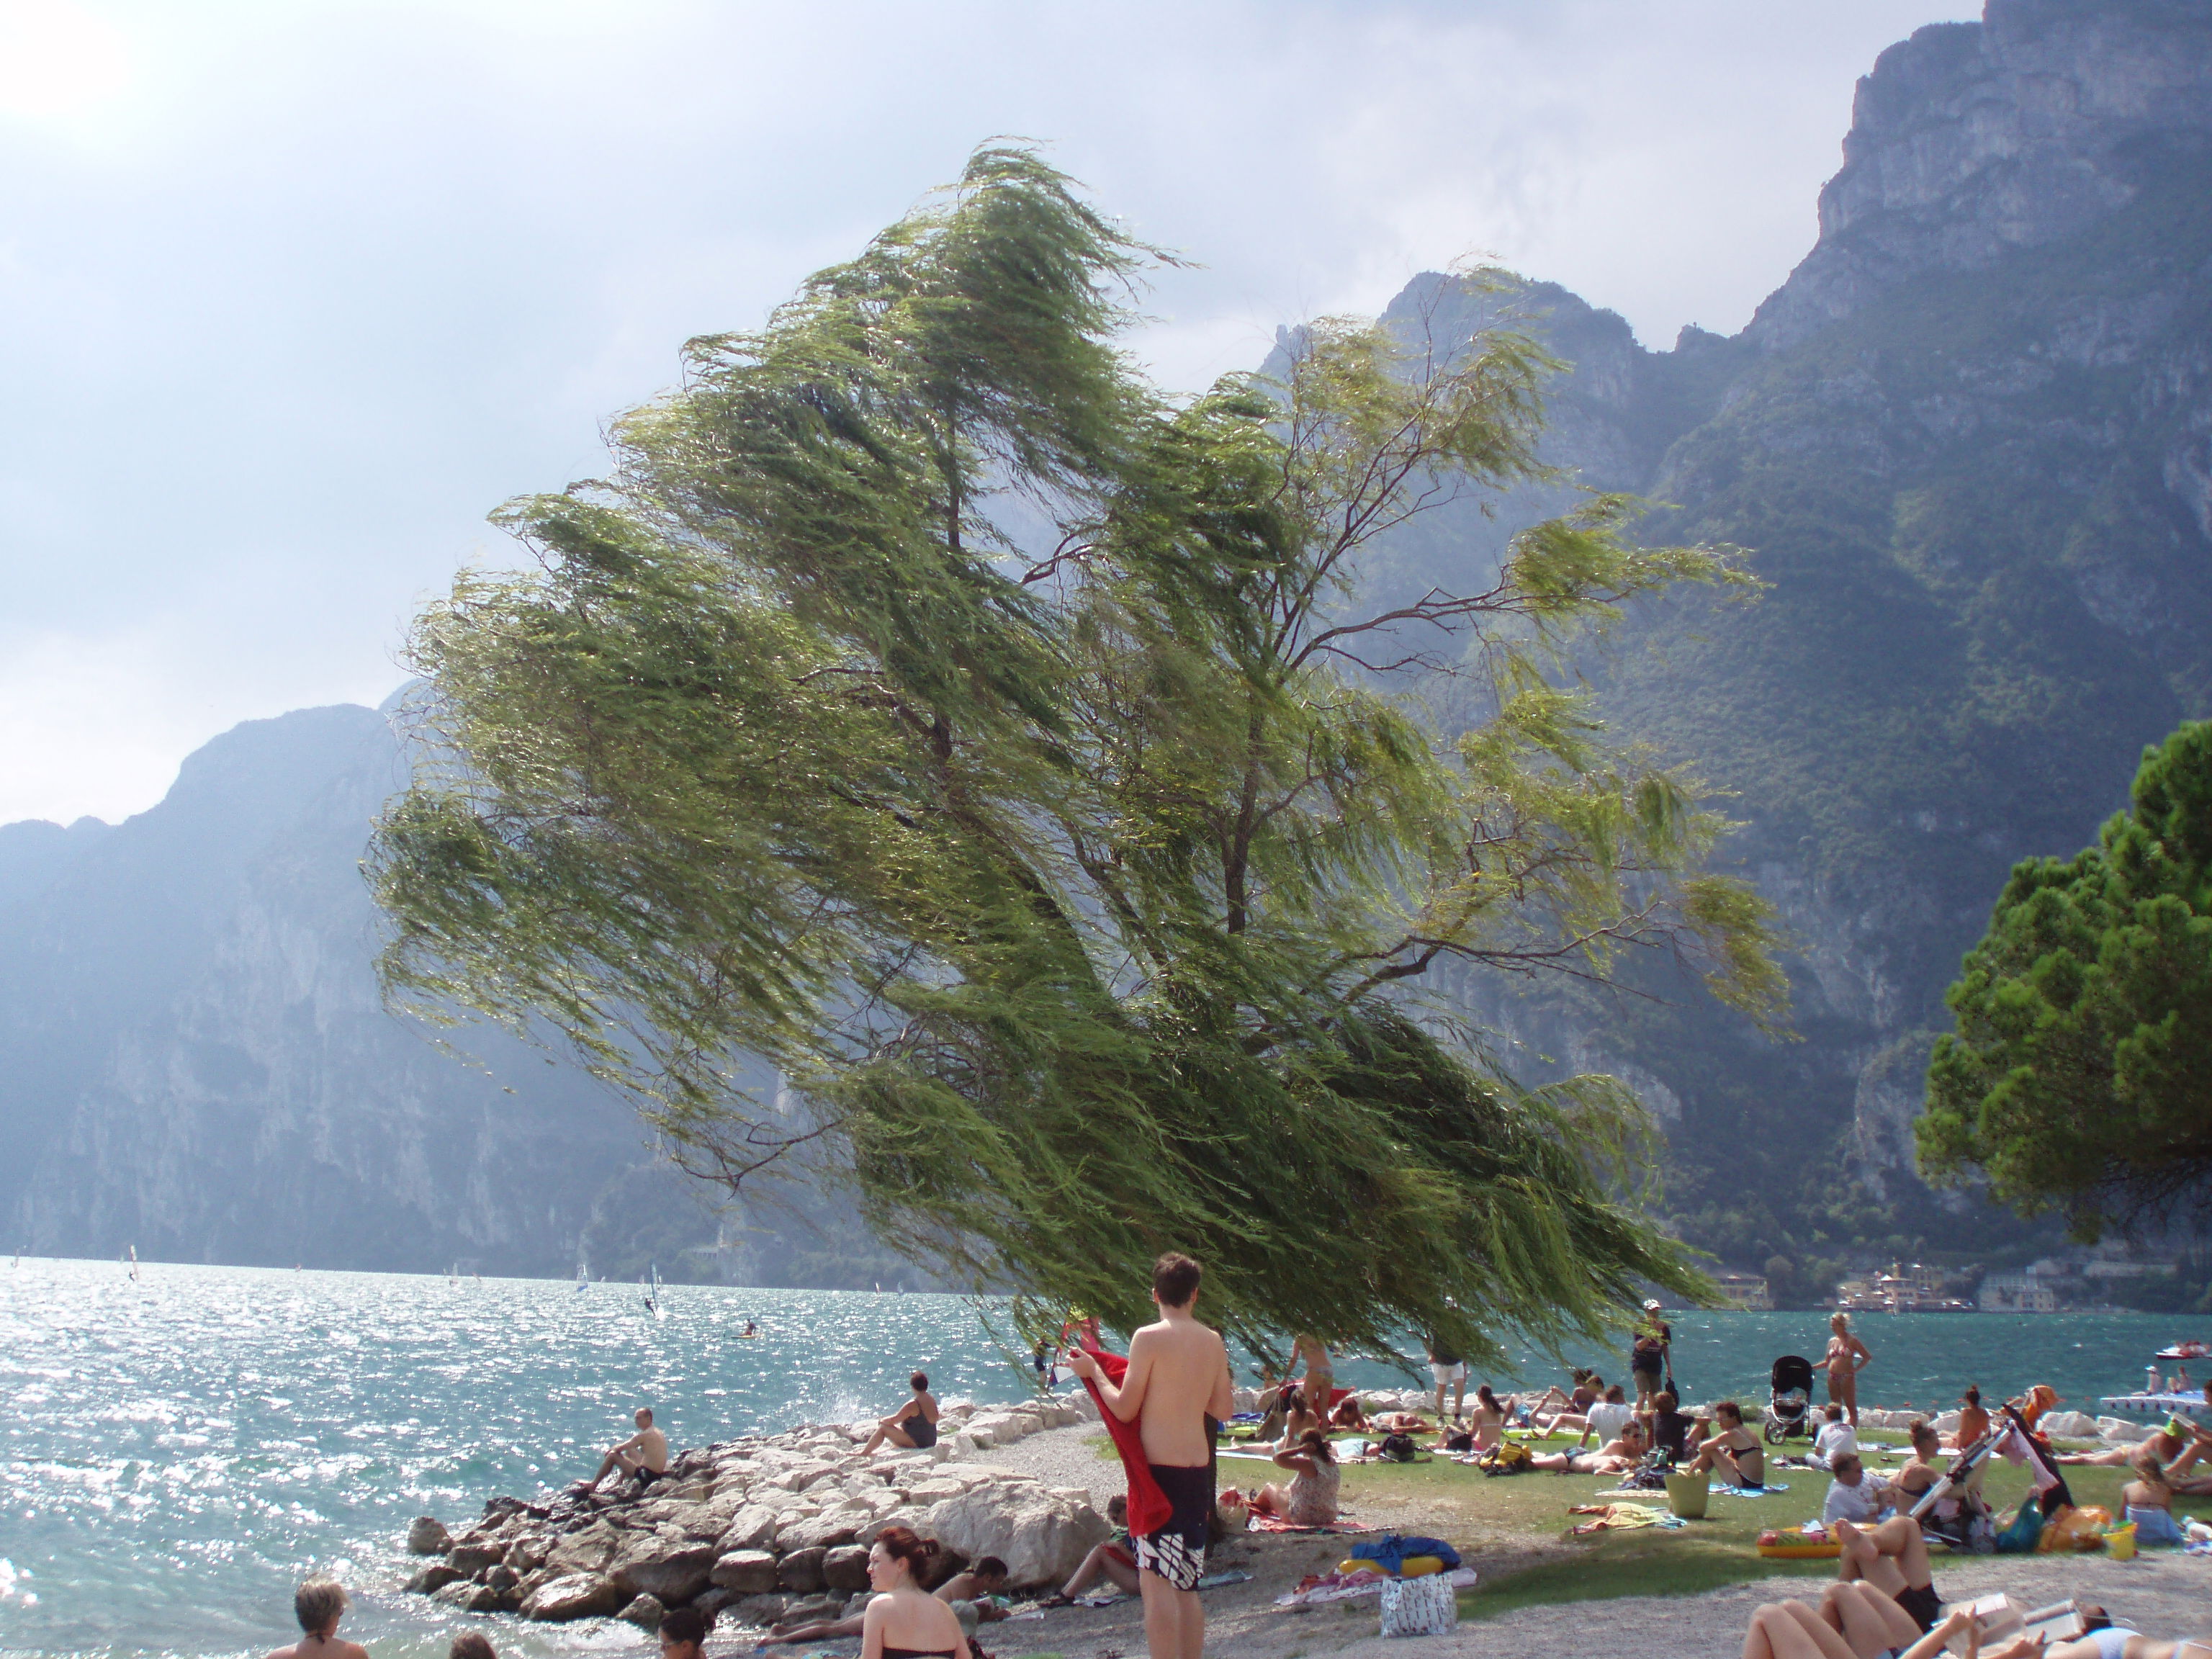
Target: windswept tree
[(927, 705), (2080, 1078)]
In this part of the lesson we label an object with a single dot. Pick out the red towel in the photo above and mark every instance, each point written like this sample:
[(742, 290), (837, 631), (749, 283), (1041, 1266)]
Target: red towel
[(1149, 1508)]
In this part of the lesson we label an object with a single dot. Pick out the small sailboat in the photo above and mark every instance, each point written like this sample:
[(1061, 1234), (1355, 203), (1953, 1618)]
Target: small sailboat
[(134, 1264), (653, 1295), (583, 1275)]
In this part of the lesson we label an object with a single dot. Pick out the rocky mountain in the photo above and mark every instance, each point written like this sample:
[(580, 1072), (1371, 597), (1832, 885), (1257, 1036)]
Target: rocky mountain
[(1968, 444), (194, 1061)]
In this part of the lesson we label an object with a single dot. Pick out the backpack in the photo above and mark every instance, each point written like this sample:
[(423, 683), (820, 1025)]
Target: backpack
[(1508, 1457), (1397, 1449)]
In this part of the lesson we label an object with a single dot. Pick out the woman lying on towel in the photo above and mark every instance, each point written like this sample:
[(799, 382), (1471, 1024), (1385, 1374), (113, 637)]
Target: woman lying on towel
[(1614, 1457), (1310, 1499)]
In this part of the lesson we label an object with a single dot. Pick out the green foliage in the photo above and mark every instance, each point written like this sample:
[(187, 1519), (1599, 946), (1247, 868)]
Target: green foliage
[(1079, 882), (2078, 1079)]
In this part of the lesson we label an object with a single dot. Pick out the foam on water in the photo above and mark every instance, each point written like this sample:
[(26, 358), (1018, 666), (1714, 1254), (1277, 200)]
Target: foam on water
[(176, 1452)]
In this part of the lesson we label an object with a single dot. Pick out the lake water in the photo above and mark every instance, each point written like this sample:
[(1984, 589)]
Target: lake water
[(176, 1452)]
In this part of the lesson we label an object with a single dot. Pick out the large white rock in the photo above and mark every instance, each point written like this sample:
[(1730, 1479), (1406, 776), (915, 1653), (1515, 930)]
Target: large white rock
[(2120, 1432), (1946, 1424), (1041, 1537), (2071, 1425)]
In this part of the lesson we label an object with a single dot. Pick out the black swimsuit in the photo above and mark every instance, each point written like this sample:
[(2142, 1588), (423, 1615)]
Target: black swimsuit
[(923, 1432)]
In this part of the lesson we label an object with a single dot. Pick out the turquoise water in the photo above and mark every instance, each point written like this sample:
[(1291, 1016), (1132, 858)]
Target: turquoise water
[(176, 1452)]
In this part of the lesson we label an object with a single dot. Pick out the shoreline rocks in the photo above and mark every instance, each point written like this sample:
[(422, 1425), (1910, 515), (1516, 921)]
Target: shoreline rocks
[(765, 1526)]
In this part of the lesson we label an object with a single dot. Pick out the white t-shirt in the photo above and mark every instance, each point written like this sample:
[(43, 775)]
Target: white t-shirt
[(1608, 1419), (1835, 1439), (1853, 1504)]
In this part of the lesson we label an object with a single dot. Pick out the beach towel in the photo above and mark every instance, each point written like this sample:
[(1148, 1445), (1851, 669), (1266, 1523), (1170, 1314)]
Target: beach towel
[(1149, 1508), (1622, 1518), (1771, 1486), (1276, 1523), (1390, 1551)]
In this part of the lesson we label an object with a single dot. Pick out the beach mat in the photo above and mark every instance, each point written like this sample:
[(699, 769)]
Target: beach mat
[(1766, 1491)]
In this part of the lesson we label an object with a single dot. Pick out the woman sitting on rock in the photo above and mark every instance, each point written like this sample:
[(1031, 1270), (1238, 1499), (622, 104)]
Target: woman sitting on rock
[(913, 1424), (905, 1621), (1310, 1499)]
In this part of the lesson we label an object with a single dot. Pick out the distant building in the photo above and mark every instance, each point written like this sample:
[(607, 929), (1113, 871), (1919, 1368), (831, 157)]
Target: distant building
[(2018, 1293), (1745, 1291)]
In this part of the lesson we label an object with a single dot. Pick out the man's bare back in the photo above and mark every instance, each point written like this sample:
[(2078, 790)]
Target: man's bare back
[(1178, 1374)]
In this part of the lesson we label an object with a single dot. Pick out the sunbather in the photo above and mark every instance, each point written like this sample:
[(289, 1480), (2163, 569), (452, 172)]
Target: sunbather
[(1733, 1448), (1853, 1621), (1486, 1418), (2149, 1501), (1310, 1497), (1614, 1457), (1112, 1560), (1892, 1558)]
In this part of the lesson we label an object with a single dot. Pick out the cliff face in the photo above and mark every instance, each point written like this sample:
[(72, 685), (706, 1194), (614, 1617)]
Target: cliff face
[(1968, 444), (1971, 141), (193, 1059)]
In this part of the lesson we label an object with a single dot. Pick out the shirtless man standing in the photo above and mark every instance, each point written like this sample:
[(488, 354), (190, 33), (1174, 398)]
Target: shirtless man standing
[(645, 1452), (1178, 1377)]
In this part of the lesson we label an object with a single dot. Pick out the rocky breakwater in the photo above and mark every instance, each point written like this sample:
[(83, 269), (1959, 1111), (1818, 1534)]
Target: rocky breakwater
[(765, 1527)]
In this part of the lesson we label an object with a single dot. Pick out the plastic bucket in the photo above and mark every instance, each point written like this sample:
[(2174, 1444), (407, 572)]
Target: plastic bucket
[(1687, 1495), (2121, 1543)]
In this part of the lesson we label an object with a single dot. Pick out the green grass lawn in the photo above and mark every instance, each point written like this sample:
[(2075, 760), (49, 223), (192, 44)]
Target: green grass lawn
[(1510, 1515)]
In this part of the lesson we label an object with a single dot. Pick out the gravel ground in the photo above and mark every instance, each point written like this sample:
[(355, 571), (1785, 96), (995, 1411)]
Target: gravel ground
[(2165, 1594)]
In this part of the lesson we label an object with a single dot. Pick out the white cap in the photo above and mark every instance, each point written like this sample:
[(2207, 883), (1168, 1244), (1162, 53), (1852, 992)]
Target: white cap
[(1651, 1307)]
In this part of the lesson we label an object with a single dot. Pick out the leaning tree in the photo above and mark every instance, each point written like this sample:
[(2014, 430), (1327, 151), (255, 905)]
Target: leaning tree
[(2080, 1078), (927, 705)]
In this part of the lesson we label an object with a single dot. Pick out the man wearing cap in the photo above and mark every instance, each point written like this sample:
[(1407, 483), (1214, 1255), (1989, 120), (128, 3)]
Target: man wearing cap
[(1651, 1358)]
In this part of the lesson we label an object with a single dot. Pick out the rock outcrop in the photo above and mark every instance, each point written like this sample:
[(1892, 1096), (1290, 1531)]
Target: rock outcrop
[(763, 1527)]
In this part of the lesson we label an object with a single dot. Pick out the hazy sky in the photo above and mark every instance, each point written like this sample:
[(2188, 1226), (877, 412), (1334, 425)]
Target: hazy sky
[(291, 294)]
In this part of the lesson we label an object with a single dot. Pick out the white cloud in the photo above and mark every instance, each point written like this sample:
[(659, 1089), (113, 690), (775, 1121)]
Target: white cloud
[(292, 293)]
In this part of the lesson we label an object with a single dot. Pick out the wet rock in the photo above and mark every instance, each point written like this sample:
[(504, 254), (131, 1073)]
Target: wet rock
[(502, 1578), (464, 1597), (573, 1595), (433, 1578), (469, 1560), (764, 1609), (801, 1570), (846, 1568), (645, 1611), (587, 1550), (653, 1568), (427, 1535), (747, 1572), (526, 1555), (810, 1608)]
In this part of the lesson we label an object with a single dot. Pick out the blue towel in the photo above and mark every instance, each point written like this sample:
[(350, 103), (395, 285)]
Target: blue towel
[(1749, 1491), (1389, 1551), (2153, 1526)]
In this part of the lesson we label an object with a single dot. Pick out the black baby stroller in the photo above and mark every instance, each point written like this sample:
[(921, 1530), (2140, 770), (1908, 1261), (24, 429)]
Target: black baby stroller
[(1789, 1399)]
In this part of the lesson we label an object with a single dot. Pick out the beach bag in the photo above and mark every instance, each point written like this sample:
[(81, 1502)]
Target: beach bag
[(1508, 1457), (1420, 1607), (2079, 1528), (1397, 1449), (2021, 1535)]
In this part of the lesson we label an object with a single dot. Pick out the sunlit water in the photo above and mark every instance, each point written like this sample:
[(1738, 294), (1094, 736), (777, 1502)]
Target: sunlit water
[(176, 1452)]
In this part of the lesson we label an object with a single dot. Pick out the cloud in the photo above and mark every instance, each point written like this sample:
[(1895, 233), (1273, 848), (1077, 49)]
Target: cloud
[(291, 294)]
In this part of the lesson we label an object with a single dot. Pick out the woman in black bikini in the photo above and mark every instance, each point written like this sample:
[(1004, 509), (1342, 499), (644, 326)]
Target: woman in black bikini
[(913, 1424), (905, 1621)]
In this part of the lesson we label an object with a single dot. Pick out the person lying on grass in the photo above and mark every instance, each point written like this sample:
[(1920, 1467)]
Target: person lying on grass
[(1614, 1457)]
